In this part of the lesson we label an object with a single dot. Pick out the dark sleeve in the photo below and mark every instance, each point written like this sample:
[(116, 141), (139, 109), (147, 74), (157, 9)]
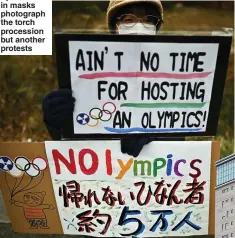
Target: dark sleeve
[(53, 132)]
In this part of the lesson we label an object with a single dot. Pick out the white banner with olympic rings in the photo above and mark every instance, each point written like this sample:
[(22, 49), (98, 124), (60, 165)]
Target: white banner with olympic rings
[(126, 87)]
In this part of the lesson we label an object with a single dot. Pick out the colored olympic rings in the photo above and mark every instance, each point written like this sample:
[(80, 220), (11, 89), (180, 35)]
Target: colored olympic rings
[(32, 170), (100, 115), (39, 163), (15, 172), (21, 164), (95, 124), (109, 103), (94, 117), (105, 114)]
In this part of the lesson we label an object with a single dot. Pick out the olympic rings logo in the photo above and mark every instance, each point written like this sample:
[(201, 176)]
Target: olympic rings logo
[(21, 165), (97, 115)]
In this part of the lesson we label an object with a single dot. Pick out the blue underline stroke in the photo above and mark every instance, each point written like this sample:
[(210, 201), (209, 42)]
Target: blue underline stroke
[(139, 129)]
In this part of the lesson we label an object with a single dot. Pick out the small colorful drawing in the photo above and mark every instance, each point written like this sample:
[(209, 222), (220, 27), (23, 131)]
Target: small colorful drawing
[(21, 174), (34, 209), (97, 114)]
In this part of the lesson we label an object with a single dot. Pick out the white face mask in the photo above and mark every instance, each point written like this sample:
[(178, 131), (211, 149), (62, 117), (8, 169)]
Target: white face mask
[(137, 29)]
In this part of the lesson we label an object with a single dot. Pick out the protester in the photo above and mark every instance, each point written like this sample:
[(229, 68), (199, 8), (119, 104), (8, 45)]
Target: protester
[(134, 17), (123, 17)]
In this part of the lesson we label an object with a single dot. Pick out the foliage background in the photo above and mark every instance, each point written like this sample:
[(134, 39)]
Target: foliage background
[(24, 80)]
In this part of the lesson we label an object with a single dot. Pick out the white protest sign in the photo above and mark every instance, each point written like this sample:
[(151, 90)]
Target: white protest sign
[(101, 192), (124, 87)]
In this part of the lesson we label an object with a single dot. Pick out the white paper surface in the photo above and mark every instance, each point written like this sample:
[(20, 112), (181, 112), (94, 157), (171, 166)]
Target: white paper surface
[(177, 100), (180, 166)]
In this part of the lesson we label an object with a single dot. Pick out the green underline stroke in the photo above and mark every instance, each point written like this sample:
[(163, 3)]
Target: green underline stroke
[(164, 105)]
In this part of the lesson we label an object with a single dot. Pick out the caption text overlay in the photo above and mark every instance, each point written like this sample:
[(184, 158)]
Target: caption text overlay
[(26, 27)]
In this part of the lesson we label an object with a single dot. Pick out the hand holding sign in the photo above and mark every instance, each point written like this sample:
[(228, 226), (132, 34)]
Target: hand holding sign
[(134, 146), (57, 106)]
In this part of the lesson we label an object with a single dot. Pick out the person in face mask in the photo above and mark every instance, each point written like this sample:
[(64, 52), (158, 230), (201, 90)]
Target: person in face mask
[(143, 17), (123, 17)]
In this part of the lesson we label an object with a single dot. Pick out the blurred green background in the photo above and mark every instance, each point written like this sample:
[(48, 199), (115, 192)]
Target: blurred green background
[(24, 80)]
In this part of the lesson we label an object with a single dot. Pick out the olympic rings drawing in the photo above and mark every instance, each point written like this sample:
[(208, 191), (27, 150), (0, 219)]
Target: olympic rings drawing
[(105, 111), (95, 124), (102, 112), (107, 103), (95, 117), (105, 114), (21, 164), (15, 172), (39, 163), (31, 171)]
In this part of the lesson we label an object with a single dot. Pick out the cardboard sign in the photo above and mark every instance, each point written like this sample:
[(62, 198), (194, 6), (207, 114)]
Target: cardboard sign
[(162, 85), (80, 188)]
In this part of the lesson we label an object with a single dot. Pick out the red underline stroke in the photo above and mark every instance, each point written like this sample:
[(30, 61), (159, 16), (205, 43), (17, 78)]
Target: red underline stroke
[(144, 75)]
